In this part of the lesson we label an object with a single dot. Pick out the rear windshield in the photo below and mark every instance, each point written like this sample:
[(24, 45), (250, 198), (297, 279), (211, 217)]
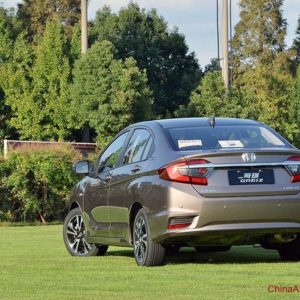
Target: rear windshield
[(197, 138)]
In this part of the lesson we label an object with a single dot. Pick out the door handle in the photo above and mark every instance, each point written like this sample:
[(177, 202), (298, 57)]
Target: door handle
[(135, 169), (108, 177)]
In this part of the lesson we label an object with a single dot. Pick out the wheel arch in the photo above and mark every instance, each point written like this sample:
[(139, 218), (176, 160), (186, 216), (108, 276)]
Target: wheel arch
[(135, 207), (74, 205)]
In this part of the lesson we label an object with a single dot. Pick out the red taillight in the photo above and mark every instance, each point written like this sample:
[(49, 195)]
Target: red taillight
[(186, 172), (295, 178), (294, 169)]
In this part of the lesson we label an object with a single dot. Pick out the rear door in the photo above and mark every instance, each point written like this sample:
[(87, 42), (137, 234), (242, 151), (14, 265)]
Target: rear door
[(124, 185)]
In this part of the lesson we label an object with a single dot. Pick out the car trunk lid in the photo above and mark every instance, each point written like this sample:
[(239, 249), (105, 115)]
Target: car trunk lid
[(254, 172)]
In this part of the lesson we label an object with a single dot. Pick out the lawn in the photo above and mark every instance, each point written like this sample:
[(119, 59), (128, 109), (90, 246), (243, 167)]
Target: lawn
[(35, 265)]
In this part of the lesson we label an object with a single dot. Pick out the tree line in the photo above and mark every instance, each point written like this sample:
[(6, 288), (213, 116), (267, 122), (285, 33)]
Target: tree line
[(137, 69)]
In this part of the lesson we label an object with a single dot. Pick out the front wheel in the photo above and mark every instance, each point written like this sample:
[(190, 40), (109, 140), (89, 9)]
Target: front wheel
[(74, 236), (146, 252)]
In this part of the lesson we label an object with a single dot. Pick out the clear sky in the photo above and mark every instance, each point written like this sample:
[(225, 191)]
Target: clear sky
[(196, 19)]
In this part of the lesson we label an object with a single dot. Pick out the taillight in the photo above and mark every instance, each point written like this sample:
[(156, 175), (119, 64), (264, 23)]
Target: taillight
[(186, 172), (294, 168)]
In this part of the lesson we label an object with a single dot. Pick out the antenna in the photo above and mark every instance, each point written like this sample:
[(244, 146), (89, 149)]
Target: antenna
[(212, 121)]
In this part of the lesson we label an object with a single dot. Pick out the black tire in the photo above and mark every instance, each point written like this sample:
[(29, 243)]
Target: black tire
[(146, 252), (290, 251), (74, 236), (204, 249)]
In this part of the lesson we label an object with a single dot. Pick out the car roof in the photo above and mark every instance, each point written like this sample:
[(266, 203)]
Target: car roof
[(193, 122)]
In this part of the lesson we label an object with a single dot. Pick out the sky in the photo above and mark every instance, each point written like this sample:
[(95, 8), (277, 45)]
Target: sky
[(196, 19)]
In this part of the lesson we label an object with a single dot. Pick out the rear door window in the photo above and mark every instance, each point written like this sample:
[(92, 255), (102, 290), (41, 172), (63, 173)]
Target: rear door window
[(137, 145)]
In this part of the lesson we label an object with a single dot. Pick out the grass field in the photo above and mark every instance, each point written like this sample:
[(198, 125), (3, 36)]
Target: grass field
[(35, 265)]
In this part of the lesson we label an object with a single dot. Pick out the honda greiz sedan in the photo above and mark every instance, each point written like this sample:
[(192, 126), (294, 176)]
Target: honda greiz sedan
[(201, 182)]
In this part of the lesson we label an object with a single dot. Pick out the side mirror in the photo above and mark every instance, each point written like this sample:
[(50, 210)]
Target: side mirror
[(81, 167)]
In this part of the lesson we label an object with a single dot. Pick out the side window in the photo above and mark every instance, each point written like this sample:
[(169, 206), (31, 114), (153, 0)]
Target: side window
[(148, 147), (136, 146), (112, 153)]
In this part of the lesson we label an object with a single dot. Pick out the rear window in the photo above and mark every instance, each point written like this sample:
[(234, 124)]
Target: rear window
[(197, 138)]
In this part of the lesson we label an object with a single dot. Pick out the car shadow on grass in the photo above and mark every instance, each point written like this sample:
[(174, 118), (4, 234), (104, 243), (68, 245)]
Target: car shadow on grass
[(242, 255)]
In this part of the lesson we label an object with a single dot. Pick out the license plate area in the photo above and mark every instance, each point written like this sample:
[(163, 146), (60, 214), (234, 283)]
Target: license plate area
[(251, 177)]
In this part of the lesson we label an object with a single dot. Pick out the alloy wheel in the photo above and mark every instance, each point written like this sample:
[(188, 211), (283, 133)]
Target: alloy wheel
[(76, 234), (140, 238)]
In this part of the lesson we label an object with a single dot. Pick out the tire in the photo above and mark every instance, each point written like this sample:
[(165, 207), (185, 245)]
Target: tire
[(204, 249), (290, 251), (74, 236), (146, 252)]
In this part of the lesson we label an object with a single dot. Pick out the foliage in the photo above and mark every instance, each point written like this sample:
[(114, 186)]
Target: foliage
[(296, 44), (295, 107), (9, 30), (36, 86), (172, 72), (213, 66), (261, 64), (36, 183), (211, 99), (270, 90), (259, 34), (34, 14), (108, 94)]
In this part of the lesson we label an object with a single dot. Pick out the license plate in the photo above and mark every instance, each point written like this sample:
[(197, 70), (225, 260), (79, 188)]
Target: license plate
[(245, 177)]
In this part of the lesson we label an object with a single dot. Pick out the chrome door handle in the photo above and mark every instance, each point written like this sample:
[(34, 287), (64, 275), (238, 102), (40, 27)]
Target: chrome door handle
[(108, 177), (135, 169)]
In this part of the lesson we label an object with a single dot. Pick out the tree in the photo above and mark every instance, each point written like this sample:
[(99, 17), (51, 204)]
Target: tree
[(295, 107), (211, 99), (34, 14), (36, 86), (262, 65), (172, 72), (296, 44), (108, 94), (213, 66), (260, 33), (9, 30)]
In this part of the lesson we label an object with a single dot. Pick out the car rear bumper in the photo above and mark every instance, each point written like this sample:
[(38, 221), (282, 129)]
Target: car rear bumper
[(229, 234), (240, 220)]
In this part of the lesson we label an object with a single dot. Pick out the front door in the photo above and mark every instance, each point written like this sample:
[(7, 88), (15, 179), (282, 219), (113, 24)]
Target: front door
[(96, 193)]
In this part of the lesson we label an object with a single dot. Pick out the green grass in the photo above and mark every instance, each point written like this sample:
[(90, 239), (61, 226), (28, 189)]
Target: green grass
[(35, 265)]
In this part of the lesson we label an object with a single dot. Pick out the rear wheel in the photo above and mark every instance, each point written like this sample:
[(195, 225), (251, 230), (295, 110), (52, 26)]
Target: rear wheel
[(74, 236), (146, 252), (290, 251)]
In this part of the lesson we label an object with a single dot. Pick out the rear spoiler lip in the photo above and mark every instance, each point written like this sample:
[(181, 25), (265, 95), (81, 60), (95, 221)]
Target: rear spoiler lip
[(245, 165), (227, 152)]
